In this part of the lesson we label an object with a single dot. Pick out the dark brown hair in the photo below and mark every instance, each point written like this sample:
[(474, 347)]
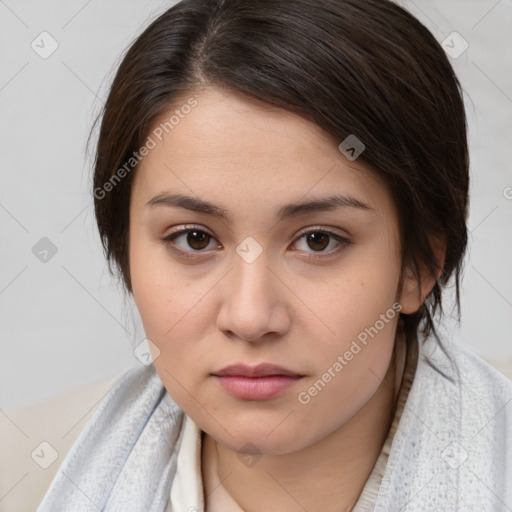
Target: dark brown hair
[(363, 67)]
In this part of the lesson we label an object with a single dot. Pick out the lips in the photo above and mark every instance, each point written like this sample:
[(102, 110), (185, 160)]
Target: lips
[(261, 370), (263, 382)]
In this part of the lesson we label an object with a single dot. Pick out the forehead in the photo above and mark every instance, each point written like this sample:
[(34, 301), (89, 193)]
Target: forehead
[(229, 145), (230, 127)]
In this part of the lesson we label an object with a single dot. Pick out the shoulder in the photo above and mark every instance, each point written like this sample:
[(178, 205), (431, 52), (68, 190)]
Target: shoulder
[(453, 429), (476, 378), (503, 366), (479, 394), (35, 439), (488, 373)]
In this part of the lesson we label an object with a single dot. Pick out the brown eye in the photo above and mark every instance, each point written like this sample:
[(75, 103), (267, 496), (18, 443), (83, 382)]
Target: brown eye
[(198, 239), (317, 240), (189, 240)]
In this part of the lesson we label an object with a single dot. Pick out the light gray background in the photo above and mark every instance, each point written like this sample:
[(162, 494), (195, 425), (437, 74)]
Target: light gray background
[(64, 323)]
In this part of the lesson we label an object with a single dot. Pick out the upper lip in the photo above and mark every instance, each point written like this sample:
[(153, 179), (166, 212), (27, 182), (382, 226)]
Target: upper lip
[(261, 370)]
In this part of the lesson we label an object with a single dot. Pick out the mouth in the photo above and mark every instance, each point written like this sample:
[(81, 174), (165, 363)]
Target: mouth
[(261, 382)]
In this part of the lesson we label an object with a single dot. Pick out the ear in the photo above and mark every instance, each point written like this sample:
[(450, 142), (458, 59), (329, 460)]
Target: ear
[(412, 295)]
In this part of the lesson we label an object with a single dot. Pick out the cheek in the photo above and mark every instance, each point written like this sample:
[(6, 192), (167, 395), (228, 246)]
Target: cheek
[(157, 291), (173, 309), (351, 363), (174, 319), (362, 323), (169, 308), (355, 297), (358, 307), (150, 291)]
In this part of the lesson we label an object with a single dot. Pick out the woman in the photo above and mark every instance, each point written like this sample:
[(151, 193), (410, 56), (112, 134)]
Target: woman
[(283, 189)]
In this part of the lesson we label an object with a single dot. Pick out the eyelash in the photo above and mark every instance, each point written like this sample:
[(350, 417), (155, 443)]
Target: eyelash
[(169, 241)]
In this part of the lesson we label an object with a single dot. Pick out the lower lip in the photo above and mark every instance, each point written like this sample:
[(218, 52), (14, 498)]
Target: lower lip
[(256, 388)]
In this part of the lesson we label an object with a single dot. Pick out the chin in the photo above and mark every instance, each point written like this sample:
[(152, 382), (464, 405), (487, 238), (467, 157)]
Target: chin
[(257, 441)]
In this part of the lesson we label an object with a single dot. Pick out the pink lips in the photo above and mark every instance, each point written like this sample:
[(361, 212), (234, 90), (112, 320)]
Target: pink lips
[(256, 383)]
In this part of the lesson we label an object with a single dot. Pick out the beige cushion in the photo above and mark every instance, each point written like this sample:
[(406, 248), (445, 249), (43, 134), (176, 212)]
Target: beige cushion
[(27, 467)]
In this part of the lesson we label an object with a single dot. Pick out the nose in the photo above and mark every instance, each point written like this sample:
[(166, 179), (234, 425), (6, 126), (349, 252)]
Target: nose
[(254, 306)]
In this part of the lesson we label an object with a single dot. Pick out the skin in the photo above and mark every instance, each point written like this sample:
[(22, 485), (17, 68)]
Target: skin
[(286, 307)]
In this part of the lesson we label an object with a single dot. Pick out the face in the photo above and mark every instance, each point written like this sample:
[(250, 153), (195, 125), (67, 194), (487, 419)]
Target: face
[(244, 280)]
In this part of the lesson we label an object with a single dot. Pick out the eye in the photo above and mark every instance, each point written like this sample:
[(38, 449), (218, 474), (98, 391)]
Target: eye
[(319, 239), (192, 237)]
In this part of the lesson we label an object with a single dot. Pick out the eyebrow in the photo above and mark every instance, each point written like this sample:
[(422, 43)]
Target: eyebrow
[(285, 212)]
